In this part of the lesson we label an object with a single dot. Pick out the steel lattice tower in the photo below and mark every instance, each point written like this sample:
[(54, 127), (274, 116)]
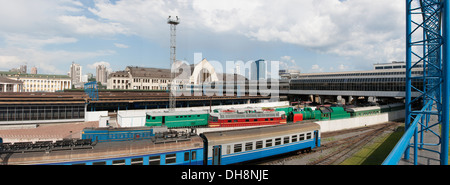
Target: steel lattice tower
[(173, 45), (427, 29)]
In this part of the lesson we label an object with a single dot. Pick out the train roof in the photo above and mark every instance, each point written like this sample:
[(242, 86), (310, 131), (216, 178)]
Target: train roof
[(104, 150), (357, 109), (176, 113), (244, 115), (124, 128), (232, 136)]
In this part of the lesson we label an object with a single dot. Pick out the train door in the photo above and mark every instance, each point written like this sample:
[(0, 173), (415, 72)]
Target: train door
[(316, 138), (163, 120), (217, 155)]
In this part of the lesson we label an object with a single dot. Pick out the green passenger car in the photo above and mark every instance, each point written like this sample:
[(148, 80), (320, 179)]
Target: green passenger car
[(364, 111), (177, 119), (339, 113)]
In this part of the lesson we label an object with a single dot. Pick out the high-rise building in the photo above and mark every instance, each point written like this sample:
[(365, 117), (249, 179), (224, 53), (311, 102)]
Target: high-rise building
[(75, 73), (258, 70), (101, 74), (33, 70), (23, 69)]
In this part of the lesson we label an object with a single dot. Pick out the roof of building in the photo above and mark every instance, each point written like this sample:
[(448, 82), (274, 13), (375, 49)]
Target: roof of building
[(9, 81), (28, 75), (148, 72)]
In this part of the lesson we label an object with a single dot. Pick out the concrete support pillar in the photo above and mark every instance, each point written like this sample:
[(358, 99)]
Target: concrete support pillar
[(350, 98)]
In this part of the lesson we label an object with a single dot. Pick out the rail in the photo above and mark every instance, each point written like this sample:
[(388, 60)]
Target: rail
[(394, 157)]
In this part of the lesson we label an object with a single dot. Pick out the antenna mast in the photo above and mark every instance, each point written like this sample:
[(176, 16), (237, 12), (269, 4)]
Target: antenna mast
[(173, 44)]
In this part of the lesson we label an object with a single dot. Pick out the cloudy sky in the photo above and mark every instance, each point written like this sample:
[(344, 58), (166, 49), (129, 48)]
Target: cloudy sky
[(309, 35)]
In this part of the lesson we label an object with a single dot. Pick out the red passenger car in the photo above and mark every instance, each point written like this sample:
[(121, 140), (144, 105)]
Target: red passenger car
[(246, 118)]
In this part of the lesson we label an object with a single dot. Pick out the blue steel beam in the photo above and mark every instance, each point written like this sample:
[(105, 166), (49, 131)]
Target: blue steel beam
[(446, 84), (396, 154), (430, 36)]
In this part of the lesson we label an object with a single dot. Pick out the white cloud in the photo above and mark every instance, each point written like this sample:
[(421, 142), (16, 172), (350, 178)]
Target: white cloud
[(24, 40), (121, 45), (84, 25), (357, 28), (95, 64), (367, 29), (316, 68)]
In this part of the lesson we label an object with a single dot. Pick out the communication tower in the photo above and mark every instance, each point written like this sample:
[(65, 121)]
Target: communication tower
[(173, 44)]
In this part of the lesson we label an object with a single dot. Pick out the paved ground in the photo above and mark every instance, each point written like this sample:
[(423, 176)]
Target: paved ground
[(425, 157)]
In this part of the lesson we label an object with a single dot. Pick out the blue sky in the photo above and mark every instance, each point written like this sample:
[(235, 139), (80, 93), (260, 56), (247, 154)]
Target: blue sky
[(309, 35)]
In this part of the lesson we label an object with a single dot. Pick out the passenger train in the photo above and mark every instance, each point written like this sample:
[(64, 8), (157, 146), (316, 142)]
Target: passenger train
[(218, 118), (257, 117), (172, 148)]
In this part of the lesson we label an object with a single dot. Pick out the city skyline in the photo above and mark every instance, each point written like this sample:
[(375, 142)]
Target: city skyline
[(310, 36)]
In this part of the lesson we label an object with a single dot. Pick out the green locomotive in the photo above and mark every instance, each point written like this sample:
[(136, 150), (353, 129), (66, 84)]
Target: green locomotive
[(177, 119)]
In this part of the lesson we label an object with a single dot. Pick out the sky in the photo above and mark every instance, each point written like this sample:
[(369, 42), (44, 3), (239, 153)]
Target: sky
[(308, 35)]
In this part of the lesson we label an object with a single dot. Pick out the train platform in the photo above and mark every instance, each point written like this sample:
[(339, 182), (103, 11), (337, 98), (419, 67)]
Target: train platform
[(425, 157), (46, 132)]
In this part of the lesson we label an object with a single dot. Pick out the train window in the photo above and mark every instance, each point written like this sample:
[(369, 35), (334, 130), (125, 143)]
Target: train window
[(79, 164), (176, 116), (118, 162), (267, 119), (171, 158), (269, 143), (255, 120), (229, 121), (99, 163), (277, 141), (286, 139), (154, 160), (235, 120), (148, 117), (186, 156), (271, 119), (247, 120), (194, 155), (153, 118), (259, 144), (237, 148), (198, 115), (294, 138), (308, 135), (228, 149), (137, 161), (248, 146), (302, 137)]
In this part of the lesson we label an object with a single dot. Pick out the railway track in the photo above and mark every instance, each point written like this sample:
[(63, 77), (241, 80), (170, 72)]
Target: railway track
[(347, 143)]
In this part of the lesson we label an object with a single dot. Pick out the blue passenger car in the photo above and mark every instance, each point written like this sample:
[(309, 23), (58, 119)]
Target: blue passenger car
[(236, 146), (181, 150), (120, 134)]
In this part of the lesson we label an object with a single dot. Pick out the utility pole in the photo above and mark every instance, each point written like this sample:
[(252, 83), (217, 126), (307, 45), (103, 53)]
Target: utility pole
[(173, 44)]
